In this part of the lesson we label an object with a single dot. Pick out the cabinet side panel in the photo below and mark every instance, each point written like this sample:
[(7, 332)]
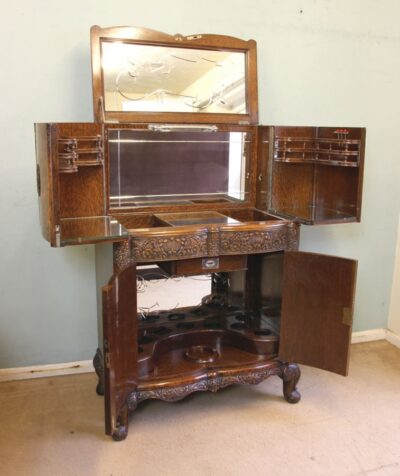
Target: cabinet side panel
[(44, 180), (317, 309)]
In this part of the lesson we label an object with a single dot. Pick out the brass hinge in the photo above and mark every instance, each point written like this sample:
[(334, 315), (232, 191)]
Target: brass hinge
[(58, 235), (347, 316)]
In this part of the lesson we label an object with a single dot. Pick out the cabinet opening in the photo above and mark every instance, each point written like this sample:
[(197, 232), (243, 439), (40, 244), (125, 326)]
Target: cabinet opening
[(203, 319)]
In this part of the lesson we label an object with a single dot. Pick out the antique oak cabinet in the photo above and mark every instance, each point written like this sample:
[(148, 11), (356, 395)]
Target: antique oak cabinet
[(175, 178)]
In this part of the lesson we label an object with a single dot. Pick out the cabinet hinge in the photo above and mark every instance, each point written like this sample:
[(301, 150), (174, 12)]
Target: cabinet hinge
[(347, 316), (58, 235), (107, 360)]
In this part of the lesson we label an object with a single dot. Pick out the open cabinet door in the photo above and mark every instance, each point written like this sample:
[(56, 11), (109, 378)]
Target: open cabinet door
[(312, 175), (317, 310), (120, 349)]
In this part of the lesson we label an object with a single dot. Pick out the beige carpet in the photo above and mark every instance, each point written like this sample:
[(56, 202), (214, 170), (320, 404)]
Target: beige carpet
[(343, 426)]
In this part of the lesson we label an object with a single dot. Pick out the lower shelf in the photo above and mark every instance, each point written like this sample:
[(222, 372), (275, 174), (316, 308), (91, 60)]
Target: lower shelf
[(205, 379), (187, 362), (190, 342)]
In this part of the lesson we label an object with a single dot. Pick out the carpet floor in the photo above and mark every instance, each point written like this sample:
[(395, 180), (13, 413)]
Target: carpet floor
[(341, 427)]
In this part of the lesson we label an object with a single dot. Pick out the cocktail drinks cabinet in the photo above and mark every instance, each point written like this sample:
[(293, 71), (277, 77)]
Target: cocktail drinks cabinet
[(175, 178)]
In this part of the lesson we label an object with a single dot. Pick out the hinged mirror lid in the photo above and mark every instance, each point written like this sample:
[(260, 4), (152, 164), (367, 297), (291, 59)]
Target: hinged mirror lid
[(142, 75)]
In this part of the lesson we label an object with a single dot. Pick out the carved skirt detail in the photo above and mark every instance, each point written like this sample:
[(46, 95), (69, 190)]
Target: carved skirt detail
[(213, 382)]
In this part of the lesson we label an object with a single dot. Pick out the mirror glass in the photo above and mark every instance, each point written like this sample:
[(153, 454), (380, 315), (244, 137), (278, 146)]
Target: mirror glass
[(153, 168), (168, 79)]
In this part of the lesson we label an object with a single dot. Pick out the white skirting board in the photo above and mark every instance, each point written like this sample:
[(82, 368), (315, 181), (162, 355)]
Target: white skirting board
[(50, 370), (86, 366)]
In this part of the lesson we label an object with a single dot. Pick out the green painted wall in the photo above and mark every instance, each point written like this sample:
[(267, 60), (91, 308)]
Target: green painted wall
[(320, 63)]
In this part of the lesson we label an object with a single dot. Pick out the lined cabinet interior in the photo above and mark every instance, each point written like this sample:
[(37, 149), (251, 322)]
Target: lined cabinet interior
[(315, 173), (307, 174)]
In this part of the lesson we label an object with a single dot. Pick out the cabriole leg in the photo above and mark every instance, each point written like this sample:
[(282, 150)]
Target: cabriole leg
[(98, 367), (120, 432), (290, 375)]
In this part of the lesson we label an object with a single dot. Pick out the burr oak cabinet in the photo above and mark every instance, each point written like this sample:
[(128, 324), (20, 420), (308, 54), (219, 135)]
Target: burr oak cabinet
[(176, 178)]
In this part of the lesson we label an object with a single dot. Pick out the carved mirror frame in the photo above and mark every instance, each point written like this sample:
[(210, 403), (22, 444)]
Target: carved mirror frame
[(144, 36)]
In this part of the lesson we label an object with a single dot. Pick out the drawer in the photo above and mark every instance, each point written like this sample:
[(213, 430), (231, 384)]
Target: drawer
[(204, 265)]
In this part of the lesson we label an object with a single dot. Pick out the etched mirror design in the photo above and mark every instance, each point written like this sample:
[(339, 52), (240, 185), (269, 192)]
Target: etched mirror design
[(156, 78)]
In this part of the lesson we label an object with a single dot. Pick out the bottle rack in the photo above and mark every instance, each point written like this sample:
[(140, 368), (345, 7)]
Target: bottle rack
[(79, 152), (343, 152), (202, 334)]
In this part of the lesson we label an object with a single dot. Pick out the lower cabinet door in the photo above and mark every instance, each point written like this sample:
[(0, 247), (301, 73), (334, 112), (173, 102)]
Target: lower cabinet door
[(120, 347), (317, 310)]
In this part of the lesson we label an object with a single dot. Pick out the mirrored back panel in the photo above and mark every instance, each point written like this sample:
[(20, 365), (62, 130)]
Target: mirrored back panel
[(156, 168), (141, 75)]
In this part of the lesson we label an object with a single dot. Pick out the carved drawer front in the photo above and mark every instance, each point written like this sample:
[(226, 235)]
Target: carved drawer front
[(253, 240), (218, 264), (181, 244), (171, 246)]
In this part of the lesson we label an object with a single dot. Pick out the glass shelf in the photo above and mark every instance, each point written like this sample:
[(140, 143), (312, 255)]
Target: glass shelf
[(77, 231)]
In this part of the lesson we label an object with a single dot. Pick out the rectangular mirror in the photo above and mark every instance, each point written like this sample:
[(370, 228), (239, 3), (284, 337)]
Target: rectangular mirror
[(154, 168), (141, 75)]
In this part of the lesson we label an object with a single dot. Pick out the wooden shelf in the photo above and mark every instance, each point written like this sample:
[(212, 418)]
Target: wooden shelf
[(298, 160), (86, 151), (325, 151)]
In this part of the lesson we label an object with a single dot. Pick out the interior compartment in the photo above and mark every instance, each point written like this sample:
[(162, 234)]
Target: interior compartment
[(206, 217), (194, 218), (150, 167), (316, 174), (221, 330)]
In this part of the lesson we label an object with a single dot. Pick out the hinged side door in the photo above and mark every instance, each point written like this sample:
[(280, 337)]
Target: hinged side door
[(317, 310), (120, 349), (312, 175), (71, 182)]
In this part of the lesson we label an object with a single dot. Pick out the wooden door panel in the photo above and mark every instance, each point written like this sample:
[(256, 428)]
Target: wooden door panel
[(317, 309), (120, 348)]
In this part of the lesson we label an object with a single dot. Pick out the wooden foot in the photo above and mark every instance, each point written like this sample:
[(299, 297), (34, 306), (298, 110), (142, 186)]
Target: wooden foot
[(120, 432), (290, 376), (98, 367)]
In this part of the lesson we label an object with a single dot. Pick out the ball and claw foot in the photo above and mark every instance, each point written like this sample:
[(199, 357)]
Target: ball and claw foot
[(290, 376)]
